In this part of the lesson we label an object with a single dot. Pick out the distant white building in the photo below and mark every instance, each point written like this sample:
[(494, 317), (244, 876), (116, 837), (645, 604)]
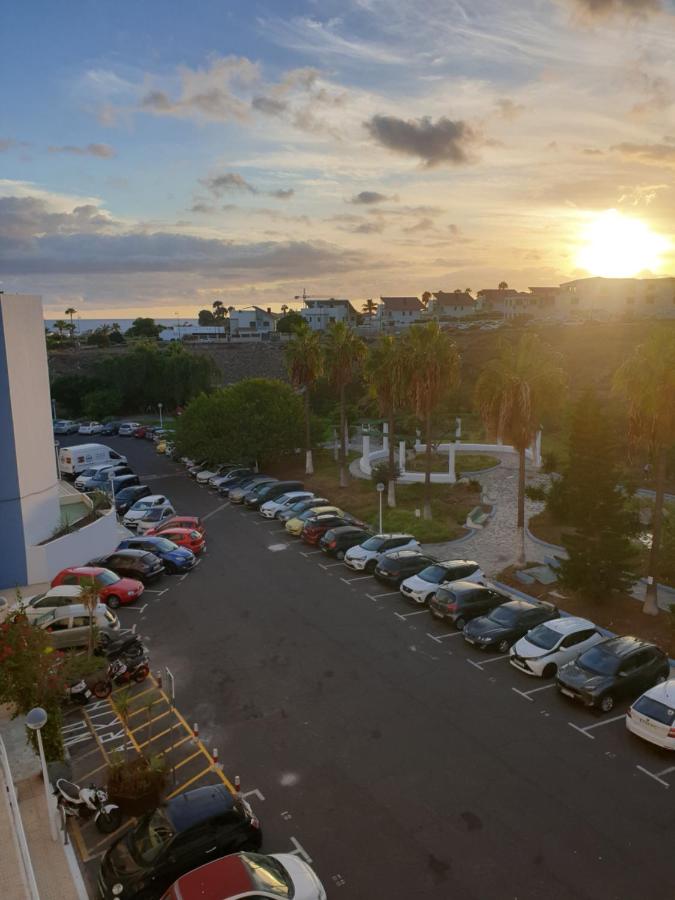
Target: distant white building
[(452, 304), (398, 312), (252, 322), (320, 312), (610, 298)]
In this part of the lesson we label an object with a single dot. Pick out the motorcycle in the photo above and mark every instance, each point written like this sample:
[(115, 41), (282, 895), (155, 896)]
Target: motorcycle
[(129, 649), (120, 673), (80, 802), (78, 693)]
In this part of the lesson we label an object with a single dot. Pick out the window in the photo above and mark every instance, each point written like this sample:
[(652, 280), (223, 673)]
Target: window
[(59, 625), (70, 579), (81, 622), (572, 639)]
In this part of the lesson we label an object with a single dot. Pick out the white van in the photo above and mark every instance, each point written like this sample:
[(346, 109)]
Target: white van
[(73, 460)]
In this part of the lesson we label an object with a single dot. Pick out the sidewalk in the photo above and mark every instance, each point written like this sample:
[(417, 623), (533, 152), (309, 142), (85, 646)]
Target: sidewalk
[(56, 871)]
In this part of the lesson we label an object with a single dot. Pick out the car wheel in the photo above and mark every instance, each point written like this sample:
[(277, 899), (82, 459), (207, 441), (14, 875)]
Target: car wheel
[(427, 600), (340, 554), (549, 671), (607, 703), (503, 646), (460, 623), (112, 601)]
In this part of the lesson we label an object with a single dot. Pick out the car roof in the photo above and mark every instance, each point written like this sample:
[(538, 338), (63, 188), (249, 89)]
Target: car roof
[(76, 609), (173, 529), (465, 587), (453, 563), (64, 590), (624, 645), (212, 879), (199, 805), (397, 534), (664, 692), (569, 624), (128, 551), (85, 570), (154, 497), (405, 552), (348, 529), (522, 604), (319, 510)]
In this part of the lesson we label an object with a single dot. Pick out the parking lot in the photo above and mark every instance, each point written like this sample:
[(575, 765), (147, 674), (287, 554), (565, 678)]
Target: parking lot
[(375, 742)]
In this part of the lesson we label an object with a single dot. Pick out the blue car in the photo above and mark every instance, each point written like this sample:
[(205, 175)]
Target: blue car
[(176, 559)]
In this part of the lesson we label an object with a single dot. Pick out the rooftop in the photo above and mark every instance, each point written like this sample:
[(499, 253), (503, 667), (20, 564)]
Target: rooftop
[(401, 304)]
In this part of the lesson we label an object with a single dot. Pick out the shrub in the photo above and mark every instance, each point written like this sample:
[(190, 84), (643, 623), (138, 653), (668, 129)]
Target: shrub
[(474, 485), (381, 472), (549, 462), (537, 493)]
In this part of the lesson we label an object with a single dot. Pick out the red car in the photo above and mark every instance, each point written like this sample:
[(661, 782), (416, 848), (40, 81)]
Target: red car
[(184, 537), (194, 523), (316, 527), (140, 431), (112, 589)]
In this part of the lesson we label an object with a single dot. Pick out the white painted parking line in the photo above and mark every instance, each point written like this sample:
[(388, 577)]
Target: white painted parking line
[(275, 548), (588, 728), (138, 609), (216, 510), (253, 793), (300, 851), (441, 637), (358, 578), (526, 694), (484, 662), (388, 594), (310, 553), (404, 616), (329, 565), (657, 775)]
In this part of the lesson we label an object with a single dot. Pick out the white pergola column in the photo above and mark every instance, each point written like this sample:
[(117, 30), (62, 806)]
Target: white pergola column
[(401, 456), (385, 436), (451, 464), (365, 449), (536, 450)]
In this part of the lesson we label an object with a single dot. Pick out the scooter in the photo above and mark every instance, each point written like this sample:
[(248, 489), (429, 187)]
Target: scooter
[(81, 802), (129, 649), (79, 693), (120, 673)]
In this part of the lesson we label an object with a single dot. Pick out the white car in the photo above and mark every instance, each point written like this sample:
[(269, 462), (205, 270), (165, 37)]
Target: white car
[(154, 518), (90, 428), (652, 716), (142, 507), (205, 475), (364, 557), (270, 509), (84, 479), (127, 429), (549, 646), (421, 588), (39, 604)]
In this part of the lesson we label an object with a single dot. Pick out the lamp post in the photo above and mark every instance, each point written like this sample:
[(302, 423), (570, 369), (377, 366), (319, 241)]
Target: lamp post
[(36, 720), (161, 421), (380, 491)]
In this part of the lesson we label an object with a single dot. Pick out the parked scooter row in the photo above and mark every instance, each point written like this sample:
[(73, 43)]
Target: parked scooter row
[(128, 661)]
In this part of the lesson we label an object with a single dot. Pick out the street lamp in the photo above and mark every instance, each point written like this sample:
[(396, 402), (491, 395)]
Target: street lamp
[(36, 720), (161, 421), (380, 491)]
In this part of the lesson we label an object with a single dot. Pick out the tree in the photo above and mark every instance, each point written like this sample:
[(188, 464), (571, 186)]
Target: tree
[(512, 393), (284, 308), (345, 352), (502, 286), (646, 380), (291, 322), (206, 317), (60, 325), (304, 360), (145, 328), (116, 336), (601, 554), (370, 308), (71, 312), (69, 391), (89, 598), (100, 337), (426, 297), (432, 372), (100, 404), (386, 371)]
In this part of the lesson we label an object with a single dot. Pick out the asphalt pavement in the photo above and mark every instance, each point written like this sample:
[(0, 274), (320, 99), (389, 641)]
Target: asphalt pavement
[(374, 742)]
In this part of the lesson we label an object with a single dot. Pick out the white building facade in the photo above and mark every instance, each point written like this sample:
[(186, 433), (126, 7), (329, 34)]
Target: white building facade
[(320, 312), (395, 313)]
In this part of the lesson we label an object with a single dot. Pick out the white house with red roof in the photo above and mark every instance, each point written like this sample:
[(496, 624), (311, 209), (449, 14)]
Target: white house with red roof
[(398, 312)]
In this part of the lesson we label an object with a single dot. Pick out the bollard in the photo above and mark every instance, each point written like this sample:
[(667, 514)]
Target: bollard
[(214, 756), (237, 783), (158, 678), (195, 731)]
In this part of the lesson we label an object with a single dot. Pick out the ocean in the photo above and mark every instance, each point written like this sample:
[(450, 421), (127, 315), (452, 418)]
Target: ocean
[(91, 324)]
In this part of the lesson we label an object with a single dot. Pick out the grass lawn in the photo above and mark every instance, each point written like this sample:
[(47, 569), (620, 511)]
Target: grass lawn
[(450, 503), (464, 462)]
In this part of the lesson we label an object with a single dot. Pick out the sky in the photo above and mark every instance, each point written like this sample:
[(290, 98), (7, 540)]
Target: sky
[(157, 156)]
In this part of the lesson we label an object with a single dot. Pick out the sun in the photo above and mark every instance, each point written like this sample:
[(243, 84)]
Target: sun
[(616, 246)]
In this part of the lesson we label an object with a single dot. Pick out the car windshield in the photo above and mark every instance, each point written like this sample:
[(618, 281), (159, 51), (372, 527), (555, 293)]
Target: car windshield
[(504, 615), (434, 574), (150, 838), (651, 708), (89, 473), (154, 515), (126, 493), (106, 578), (143, 504), (267, 874), (544, 637), (599, 662), (163, 544), (373, 543)]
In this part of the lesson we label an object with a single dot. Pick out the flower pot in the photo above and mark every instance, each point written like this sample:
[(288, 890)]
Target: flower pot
[(135, 787)]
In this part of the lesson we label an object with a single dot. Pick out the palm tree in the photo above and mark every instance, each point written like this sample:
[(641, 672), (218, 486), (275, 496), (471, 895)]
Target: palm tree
[(115, 327), (647, 382), (502, 286), (426, 297), (369, 308), (345, 353), (512, 392), (60, 325), (304, 359), (89, 599), (386, 367), (284, 308), (70, 312), (433, 371)]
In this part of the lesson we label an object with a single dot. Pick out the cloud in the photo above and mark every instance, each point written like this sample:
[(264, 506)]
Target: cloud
[(282, 194), (367, 198), (435, 143), (508, 110), (7, 144), (602, 9), (24, 218), (229, 181), (650, 154), (422, 225), (269, 105), (102, 151), (203, 208)]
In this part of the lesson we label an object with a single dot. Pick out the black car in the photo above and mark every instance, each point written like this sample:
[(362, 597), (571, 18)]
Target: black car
[(462, 601), (397, 565), (337, 541), (126, 498), (235, 479), (616, 669), (507, 623), (178, 836), (119, 482), (138, 564), (111, 427), (271, 492)]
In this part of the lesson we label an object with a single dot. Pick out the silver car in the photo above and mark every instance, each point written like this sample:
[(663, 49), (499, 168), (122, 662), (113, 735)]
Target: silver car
[(35, 607), (68, 626)]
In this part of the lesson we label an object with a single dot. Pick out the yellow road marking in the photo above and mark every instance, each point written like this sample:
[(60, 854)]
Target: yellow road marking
[(96, 737), (146, 724), (177, 744), (184, 762), (144, 708), (140, 694), (188, 783), (155, 737), (128, 733)]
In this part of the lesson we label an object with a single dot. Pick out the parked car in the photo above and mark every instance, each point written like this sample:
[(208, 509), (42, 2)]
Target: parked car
[(205, 475), (508, 623), (652, 716), (84, 478), (549, 646), (271, 492), (90, 428), (315, 527), (230, 484), (139, 432), (98, 477), (242, 876), (111, 427), (176, 559), (36, 606), (150, 432), (192, 522), (137, 564), (175, 838), (153, 518), (462, 601), (69, 626), (126, 498), (73, 460), (126, 429), (182, 537), (397, 565), (231, 477), (112, 590), (365, 557), (195, 469), (421, 588), (120, 482), (270, 508), (618, 668), (301, 506), (142, 507), (336, 541), (65, 426), (237, 494), (295, 525)]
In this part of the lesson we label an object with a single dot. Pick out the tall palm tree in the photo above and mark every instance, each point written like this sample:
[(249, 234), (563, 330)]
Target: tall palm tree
[(70, 312), (284, 308), (386, 371), (304, 360), (369, 308), (426, 297), (433, 371), (647, 382), (60, 325), (345, 352), (511, 394)]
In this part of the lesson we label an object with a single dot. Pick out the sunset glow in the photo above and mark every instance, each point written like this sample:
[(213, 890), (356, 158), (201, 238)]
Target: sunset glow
[(617, 246)]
